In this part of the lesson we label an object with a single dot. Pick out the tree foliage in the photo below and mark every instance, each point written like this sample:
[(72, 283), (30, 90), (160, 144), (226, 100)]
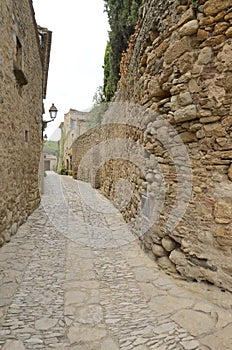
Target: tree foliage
[(122, 15), (51, 147)]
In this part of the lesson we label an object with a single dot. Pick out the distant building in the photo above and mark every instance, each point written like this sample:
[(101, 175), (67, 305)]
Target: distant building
[(24, 57), (49, 162), (75, 124)]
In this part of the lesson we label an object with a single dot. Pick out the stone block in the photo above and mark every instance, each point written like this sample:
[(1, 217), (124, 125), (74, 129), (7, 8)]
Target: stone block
[(166, 264), (214, 41), (225, 55), (154, 88), (184, 99), (223, 212), (158, 250), (6, 235), (14, 229), (228, 16), (193, 86), (223, 237), (202, 35), (229, 32), (177, 257), (230, 172), (188, 137), (226, 155), (159, 232), (205, 55), (176, 49), (214, 129), (2, 240), (210, 119), (149, 146), (185, 114), (185, 62), (169, 244), (204, 112), (220, 28), (186, 17), (228, 82), (213, 7), (160, 50), (163, 134), (149, 177), (189, 28)]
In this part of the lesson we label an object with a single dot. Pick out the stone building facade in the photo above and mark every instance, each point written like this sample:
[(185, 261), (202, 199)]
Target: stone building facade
[(24, 58), (75, 124), (50, 161), (175, 98)]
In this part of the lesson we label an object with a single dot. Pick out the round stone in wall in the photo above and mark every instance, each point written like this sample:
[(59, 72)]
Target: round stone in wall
[(168, 244), (14, 228), (158, 250)]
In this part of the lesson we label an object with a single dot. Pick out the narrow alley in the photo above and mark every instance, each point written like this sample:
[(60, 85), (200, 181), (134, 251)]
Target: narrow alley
[(74, 277)]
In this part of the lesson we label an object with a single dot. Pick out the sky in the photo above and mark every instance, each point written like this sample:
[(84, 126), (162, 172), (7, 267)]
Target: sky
[(79, 35)]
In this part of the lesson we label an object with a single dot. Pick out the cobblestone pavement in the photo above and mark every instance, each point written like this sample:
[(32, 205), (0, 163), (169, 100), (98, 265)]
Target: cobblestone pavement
[(74, 277)]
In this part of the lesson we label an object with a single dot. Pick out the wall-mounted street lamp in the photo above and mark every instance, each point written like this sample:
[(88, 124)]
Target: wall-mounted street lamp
[(53, 112)]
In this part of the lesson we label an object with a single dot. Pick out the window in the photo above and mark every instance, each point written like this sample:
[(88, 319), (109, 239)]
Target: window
[(26, 135), (73, 124), (18, 63), (19, 55)]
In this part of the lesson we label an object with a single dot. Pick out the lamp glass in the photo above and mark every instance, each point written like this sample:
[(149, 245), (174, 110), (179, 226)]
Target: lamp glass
[(53, 111)]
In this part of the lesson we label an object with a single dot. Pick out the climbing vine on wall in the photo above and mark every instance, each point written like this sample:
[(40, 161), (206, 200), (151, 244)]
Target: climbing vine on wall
[(122, 16)]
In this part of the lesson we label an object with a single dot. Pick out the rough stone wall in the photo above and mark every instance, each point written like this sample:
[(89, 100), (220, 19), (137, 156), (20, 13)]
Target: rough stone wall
[(180, 67), (92, 155), (20, 115), (178, 70)]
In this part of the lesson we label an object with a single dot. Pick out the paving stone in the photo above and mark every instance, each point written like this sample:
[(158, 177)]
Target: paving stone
[(69, 285), (143, 274), (45, 323), (220, 340), (13, 345), (168, 304), (84, 334), (33, 341), (195, 322), (7, 290), (190, 345), (165, 328), (89, 314), (75, 297), (109, 344), (139, 341)]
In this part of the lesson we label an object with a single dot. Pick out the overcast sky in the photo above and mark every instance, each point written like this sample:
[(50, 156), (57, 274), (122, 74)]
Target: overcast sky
[(80, 32)]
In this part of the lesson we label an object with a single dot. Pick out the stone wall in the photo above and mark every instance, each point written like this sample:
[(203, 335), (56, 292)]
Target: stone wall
[(178, 70), (97, 152), (21, 93)]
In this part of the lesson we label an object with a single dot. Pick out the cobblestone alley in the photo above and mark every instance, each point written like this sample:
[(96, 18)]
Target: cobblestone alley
[(74, 277)]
